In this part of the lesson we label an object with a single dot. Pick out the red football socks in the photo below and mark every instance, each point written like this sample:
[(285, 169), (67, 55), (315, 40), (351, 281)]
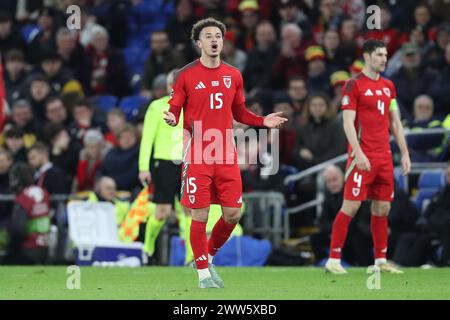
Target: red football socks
[(199, 244), (338, 234), (219, 235), (379, 229)]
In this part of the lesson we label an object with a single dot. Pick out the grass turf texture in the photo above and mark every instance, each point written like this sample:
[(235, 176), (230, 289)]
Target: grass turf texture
[(271, 283)]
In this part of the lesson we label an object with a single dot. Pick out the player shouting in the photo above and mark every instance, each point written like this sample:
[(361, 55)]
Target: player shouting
[(370, 110), (211, 94)]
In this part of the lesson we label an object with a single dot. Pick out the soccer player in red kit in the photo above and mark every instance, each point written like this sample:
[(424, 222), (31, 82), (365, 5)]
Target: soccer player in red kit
[(211, 94), (369, 111)]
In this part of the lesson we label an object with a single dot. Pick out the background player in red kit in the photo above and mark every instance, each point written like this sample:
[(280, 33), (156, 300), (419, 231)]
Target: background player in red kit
[(211, 94), (369, 110)]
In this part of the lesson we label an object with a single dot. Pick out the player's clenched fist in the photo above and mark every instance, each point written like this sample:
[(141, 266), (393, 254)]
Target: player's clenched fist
[(169, 117), (362, 162), (274, 120)]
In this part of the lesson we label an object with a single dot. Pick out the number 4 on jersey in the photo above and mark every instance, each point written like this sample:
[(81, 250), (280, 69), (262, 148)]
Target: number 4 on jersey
[(380, 105)]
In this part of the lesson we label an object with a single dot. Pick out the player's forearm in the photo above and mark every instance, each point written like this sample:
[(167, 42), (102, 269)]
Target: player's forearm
[(176, 110), (352, 138), (399, 135), (242, 115)]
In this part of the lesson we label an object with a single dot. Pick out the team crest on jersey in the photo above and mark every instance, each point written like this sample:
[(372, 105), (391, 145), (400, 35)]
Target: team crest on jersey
[(356, 191), (345, 100), (387, 91), (191, 199), (227, 81)]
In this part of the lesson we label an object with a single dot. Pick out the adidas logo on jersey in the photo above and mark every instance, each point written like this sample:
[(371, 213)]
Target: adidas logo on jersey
[(240, 200), (200, 85), (368, 93)]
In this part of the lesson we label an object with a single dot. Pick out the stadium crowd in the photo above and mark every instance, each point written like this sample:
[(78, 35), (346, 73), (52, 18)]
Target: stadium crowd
[(75, 100)]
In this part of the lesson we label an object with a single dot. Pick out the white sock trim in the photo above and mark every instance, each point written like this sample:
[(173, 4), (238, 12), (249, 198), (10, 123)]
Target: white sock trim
[(210, 258), (334, 260), (380, 261), (203, 274)]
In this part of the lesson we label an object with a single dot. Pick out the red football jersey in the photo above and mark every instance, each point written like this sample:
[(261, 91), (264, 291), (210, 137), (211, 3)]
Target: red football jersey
[(208, 96), (371, 99)]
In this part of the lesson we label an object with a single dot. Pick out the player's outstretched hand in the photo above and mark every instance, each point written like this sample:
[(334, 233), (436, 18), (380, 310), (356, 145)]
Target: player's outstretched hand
[(274, 120), (406, 164), (145, 177), (169, 117)]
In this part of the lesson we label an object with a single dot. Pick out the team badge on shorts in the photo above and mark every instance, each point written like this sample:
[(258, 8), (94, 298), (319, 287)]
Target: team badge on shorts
[(191, 199), (227, 81), (345, 100), (356, 191)]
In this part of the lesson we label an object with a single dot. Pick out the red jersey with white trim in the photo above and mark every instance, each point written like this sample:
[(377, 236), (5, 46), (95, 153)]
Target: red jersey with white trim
[(371, 99), (207, 96)]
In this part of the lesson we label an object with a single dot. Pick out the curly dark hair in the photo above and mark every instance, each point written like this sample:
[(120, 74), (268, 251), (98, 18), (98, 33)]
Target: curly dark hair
[(204, 23)]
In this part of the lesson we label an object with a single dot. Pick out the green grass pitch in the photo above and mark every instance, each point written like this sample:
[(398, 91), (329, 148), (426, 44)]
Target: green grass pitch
[(169, 283)]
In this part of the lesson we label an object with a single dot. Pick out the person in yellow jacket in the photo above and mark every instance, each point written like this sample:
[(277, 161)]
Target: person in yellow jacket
[(160, 158)]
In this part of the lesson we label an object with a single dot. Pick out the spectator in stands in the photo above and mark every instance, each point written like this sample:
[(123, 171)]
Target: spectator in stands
[(72, 54), (64, 150), (232, 55), (288, 133), (335, 57), (23, 117), (39, 91), (351, 40), (30, 221), (425, 148), (290, 12), (90, 160), (337, 80), (322, 137), (116, 122), (290, 61), (14, 74), (52, 68), (318, 73), (159, 88), (55, 111), (107, 70), (6, 162), (298, 93), (47, 175), (44, 40), (83, 120), (357, 252), (330, 17), (435, 56), (412, 79), (10, 38), (179, 29), (260, 57), (440, 86), (121, 163), (423, 21), (162, 59), (249, 14), (15, 144)]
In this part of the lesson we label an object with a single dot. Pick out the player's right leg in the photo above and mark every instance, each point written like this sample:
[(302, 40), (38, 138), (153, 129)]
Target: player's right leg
[(339, 234)]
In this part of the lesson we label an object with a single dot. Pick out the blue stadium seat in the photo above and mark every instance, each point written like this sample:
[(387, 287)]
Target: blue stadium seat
[(131, 104), (132, 55), (287, 170), (401, 180), (431, 179), (105, 102), (422, 196), (29, 31)]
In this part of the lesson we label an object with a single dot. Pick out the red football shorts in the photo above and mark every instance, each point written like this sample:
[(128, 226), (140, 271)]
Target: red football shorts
[(376, 184), (205, 184)]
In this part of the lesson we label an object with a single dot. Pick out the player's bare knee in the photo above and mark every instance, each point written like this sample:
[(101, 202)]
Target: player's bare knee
[(232, 216), (350, 207), (200, 214), (380, 208)]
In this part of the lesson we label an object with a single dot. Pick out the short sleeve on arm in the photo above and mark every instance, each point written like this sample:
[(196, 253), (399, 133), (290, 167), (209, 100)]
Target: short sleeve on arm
[(178, 93), (239, 98), (349, 95)]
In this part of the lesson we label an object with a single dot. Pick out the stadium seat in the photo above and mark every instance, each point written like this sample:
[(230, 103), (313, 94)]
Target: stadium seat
[(131, 104), (105, 102), (29, 31), (423, 196), (132, 55), (401, 180), (433, 179)]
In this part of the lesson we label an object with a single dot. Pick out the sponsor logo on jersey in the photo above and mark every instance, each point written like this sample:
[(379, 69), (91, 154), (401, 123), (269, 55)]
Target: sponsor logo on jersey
[(215, 83), (356, 191), (368, 93), (387, 91), (200, 85), (191, 198), (345, 100), (227, 81), (378, 92)]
